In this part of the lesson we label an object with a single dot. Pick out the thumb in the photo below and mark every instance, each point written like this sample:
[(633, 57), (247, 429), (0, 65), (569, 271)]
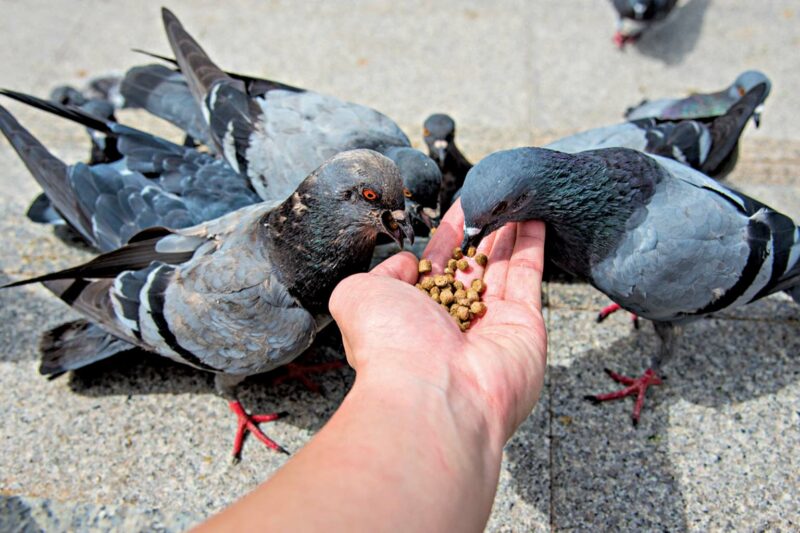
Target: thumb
[(402, 266)]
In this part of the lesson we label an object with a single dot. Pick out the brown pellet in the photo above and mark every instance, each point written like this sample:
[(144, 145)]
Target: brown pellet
[(481, 259), (460, 294), (473, 296), (427, 283), (462, 313), (471, 251), (440, 280), (478, 285), (478, 308), (446, 297), (462, 264), (464, 301), (449, 271), (434, 290), (458, 285), (425, 266), (457, 254), (463, 325), (450, 278), (451, 263)]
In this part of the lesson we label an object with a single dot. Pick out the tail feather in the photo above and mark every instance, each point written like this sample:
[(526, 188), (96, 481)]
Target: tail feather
[(75, 345), (200, 71), (66, 111), (165, 93), (726, 129), (49, 171)]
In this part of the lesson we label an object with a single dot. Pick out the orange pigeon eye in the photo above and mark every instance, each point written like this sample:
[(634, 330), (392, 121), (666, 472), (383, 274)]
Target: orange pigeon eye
[(426, 132), (406, 193), (741, 91), (369, 195)]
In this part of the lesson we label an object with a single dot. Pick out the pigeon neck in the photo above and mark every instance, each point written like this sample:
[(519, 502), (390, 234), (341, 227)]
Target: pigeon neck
[(313, 248), (588, 200)]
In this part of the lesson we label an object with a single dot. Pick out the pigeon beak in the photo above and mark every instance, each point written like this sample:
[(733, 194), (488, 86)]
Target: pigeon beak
[(472, 237), (757, 115), (440, 146), (416, 213), (397, 226)]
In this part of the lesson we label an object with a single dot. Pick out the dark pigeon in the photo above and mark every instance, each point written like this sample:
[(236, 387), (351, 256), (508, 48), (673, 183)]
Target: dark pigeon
[(273, 133), (704, 106), (640, 15), (439, 131), (657, 237), (239, 295)]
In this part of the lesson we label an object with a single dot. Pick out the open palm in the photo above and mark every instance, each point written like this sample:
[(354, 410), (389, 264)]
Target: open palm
[(391, 328)]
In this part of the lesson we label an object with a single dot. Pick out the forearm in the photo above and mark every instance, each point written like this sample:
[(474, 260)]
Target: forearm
[(397, 455)]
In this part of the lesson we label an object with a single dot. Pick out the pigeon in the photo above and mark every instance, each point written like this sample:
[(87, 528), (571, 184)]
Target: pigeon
[(439, 131), (705, 106), (659, 238), (157, 183), (95, 100), (272, 133), (710, 147), (238, 295), (641, 14)]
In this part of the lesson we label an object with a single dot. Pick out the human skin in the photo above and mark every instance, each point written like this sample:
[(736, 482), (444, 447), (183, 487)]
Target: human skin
[(417, 443)]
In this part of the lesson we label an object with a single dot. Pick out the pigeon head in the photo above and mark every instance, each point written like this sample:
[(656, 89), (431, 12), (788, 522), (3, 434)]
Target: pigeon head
[(64, 94), (327, 229), (422, 180), (744, 83), (364, 190), (439, 131), (501, 188)]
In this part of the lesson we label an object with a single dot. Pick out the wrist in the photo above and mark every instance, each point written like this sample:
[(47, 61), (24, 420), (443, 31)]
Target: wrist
[(444, 401)]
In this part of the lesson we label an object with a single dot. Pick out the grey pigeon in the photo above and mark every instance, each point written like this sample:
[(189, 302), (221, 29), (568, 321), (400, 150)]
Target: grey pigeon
[(238, 295), (272, 133), (157, 183), (439, 131), (657, 237), (710, 147), (703, 106), (640, 14)]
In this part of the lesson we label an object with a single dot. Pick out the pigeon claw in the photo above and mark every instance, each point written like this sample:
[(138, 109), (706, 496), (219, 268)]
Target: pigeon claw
[(613, 308), (633, 386), (249, 423)]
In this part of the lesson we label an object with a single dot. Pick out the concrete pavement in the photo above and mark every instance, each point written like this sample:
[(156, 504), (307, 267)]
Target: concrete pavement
[(143, 444)]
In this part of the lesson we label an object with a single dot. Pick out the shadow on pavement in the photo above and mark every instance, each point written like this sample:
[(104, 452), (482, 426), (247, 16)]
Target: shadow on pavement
[(673, 40), (605, 471)]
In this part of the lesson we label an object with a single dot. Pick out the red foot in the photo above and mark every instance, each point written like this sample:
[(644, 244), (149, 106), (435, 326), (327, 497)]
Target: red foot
[(621, 40), (613, 308), (300, 373), (636, 386), (247, 422)]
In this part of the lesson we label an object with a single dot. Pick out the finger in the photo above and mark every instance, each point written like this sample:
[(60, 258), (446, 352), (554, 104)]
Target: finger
[(497, 268), (448, 235), (524, 278), (346, 293), (402, 266)]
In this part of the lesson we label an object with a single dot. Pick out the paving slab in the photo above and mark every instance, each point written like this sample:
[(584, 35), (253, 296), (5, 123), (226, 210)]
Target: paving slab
[(715, 447)]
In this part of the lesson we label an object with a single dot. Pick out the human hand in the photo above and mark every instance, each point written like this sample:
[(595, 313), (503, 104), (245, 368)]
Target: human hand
[(393, 331)]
